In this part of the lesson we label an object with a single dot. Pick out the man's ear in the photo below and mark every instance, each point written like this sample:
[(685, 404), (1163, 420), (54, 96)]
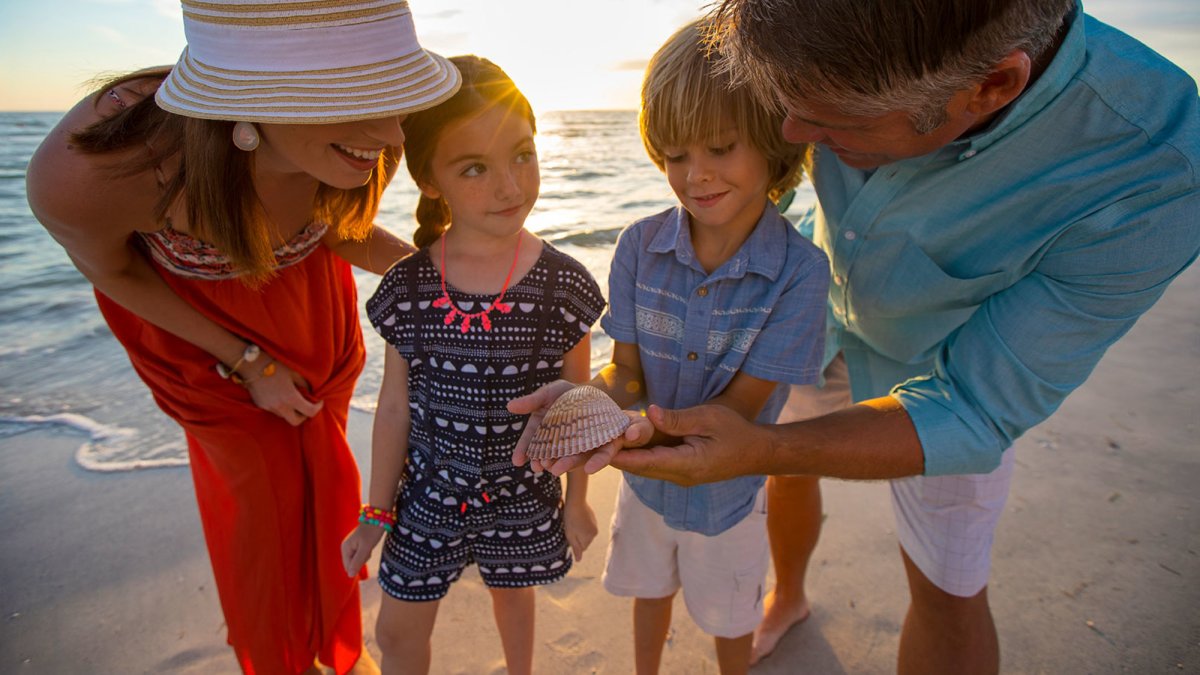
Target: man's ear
[(429, 190), (1003, 84)]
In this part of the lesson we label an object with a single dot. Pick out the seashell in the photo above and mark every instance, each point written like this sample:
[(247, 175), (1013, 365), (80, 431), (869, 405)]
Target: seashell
[(582, 419)]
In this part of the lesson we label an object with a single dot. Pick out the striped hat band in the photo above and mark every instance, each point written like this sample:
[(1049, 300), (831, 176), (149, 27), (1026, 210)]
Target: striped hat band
[(303, 62)]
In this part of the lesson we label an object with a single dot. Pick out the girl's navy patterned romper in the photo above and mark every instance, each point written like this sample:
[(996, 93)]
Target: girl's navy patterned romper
[(462, 501)]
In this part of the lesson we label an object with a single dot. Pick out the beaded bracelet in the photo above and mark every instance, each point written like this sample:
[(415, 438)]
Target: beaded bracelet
[(371, 515)]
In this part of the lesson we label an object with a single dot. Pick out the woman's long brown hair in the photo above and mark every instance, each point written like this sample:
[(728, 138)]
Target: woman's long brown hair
[(217, 180)]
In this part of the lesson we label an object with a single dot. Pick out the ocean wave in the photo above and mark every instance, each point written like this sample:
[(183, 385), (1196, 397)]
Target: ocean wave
[(108, 448), (583, 174), (589, 238)]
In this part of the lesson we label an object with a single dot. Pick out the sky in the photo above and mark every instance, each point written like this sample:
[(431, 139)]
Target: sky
[(564, 54)]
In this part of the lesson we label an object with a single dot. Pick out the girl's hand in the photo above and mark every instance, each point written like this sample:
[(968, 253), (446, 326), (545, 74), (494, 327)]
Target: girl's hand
[(357, 547), (639, 433), (579, 523), (535, 405), (280, 393)]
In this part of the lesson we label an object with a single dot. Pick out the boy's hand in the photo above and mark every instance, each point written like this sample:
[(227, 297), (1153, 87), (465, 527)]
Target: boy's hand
[(535, 405), (579, 523), (638, 434), (357, 547)]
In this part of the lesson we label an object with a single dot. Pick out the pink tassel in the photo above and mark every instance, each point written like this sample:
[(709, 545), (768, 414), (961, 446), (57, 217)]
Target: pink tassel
[(487, 323), (504, 307), (450, 316), (466, 324)]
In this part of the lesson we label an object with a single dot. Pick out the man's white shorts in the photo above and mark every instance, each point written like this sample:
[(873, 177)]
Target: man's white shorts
[(722, 576), (945, 523)]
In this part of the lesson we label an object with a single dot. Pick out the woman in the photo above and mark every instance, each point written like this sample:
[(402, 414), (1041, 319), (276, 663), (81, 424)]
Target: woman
[(215, 208)]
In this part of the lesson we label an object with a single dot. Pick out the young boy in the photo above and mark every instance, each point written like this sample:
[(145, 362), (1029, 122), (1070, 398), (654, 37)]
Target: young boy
[(717, 300)]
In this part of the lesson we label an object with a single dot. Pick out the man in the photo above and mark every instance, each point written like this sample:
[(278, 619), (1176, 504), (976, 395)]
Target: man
[(1005, 186)]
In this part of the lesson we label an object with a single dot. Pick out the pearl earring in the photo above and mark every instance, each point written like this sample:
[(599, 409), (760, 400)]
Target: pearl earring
[(245, 136)]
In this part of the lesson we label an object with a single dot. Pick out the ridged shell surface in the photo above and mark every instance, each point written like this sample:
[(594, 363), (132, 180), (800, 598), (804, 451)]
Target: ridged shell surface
[(582, 419)]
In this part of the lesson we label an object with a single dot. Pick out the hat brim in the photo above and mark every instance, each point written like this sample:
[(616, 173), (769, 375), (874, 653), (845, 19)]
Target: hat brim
[(415, 82)]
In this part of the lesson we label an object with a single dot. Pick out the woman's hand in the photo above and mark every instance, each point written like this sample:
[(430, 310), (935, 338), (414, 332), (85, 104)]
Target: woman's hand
[(357, 547), (579, 524), (280, 392)]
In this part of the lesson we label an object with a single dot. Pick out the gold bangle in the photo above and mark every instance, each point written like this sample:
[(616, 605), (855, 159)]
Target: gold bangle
[(249, 355)]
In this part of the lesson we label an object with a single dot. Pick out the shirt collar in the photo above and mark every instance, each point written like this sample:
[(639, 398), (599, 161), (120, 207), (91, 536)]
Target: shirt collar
[(763, 252), (1058, 74)]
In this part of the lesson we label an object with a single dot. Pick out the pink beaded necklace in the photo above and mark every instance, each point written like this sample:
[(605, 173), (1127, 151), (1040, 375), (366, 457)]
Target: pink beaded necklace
[(482, 315)]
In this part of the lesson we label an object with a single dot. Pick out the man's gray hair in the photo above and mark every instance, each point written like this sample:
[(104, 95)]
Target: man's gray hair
[(872, 57)]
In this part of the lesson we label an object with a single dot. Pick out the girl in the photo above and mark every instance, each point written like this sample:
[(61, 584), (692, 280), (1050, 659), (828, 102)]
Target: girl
[(216, 219), (483, 313)]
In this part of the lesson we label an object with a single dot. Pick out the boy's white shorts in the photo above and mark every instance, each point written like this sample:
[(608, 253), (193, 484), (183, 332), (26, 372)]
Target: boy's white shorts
[(945, 523), (722, 576)]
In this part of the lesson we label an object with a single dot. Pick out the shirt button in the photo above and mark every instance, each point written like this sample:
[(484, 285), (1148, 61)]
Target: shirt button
[(837, 279), (838, 311), (967, 155), (702, 291), (850, 235), (692, 356)]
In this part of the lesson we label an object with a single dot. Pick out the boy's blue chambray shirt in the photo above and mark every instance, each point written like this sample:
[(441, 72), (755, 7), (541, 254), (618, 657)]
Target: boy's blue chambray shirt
[(762, 312), (997, 270)]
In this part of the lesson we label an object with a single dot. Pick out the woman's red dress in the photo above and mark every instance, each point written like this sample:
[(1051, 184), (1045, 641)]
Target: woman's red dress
[(275, 500)]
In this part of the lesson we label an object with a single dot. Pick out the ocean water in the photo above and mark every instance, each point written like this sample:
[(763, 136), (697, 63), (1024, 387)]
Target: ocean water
[(61, 368)]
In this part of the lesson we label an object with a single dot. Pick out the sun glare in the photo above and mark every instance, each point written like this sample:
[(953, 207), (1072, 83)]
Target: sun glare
[(563, 55)]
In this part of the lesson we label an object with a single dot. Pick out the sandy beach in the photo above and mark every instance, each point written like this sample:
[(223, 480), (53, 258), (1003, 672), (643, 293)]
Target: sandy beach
[(1095, 567)]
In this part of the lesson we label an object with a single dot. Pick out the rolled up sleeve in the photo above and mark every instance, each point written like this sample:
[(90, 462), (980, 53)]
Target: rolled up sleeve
[(1027, 347)]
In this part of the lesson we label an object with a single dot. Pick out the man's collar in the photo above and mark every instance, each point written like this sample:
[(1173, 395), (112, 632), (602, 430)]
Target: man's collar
[(1053, 80)]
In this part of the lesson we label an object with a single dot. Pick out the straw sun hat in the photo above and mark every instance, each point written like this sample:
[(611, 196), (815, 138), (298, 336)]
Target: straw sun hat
[(303, 62)]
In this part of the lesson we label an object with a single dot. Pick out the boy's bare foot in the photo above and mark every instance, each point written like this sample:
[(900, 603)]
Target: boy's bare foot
[(778, 619)]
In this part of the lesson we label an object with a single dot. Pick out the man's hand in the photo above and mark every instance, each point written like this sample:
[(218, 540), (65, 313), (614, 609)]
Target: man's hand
[(718, 444)]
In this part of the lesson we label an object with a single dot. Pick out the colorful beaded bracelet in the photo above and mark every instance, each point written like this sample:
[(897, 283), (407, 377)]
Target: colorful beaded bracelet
[(371, 515)]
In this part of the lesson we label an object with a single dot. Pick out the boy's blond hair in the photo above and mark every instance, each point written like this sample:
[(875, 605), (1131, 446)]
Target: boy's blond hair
[(686, 97)]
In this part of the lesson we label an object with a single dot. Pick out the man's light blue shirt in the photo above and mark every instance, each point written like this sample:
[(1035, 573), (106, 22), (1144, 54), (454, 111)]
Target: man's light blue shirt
[(762, 312), (996, 271)]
